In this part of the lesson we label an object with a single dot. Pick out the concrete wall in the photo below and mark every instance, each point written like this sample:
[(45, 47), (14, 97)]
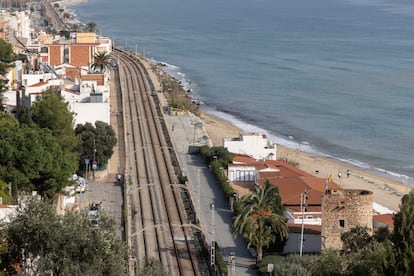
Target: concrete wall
[(252, 144), (343, 210), (85, 37), (55, 55), (80, 55), (241, 173)]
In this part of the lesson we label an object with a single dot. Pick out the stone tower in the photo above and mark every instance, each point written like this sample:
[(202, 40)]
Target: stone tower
[(343, 210)]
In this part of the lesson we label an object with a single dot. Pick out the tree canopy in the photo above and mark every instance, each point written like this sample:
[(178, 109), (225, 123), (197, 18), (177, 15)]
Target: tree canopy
[(51, 112), (101, 61), (100, 137), (6, 56), (152, 267), (62, 245), (91, 27), (403, 236), (40, 152), (261, 220), (6, 59), (30, 158)]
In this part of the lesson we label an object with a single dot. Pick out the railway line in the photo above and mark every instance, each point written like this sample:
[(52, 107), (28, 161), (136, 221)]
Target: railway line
[(158, 221)]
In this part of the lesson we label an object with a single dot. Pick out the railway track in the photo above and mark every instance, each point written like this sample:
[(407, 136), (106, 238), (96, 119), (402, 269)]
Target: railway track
[(159, 227)]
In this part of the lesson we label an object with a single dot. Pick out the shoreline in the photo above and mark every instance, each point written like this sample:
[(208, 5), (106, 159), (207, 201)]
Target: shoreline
[(387, 192)]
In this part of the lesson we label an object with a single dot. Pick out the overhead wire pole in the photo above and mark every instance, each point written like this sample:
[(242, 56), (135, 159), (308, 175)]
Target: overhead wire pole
[(302, 207), (198, 194), (213, 246)]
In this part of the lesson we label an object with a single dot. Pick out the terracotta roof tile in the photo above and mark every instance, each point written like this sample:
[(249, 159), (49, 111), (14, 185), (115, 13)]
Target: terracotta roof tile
[(290, 180), (307, 228), (40, 83), (387, 219)]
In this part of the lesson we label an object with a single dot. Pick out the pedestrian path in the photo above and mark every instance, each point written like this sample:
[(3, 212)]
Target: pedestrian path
[(206, 193)]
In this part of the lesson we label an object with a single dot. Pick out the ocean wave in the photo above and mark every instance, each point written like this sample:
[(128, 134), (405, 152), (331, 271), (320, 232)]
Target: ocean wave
[(305, 146), (175, 72)]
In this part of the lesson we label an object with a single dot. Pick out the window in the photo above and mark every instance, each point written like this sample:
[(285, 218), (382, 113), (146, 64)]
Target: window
[(342, 223)]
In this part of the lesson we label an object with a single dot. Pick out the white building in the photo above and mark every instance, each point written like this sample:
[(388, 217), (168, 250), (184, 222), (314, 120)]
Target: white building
[(253, 145), (19, 22)]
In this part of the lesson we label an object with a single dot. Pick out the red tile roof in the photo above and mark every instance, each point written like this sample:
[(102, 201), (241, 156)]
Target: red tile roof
[(71, 91), (307, 228), (386, 219), (40, 83), (290, 180)]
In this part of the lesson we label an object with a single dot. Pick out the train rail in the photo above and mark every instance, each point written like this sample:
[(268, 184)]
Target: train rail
[(159, 227)]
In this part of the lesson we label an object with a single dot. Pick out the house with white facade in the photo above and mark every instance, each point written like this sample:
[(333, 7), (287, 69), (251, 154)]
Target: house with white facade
[(246, 173), (252, 144), (88, 101), (64, 64)]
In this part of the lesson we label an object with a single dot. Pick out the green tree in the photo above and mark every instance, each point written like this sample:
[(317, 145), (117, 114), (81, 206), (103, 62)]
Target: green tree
[(63, 245), (100, 137), (372, 259), (91, 27), (261, 221), (7, 57), (51, 112), (355, 239), (30, 158), (152, 267), (330, 263), (403, 237), (101, 61), (290, 265)]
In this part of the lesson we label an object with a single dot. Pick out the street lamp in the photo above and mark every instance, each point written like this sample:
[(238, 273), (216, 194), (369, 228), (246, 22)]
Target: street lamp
[(94, 165), (232, 261), (213, 243)]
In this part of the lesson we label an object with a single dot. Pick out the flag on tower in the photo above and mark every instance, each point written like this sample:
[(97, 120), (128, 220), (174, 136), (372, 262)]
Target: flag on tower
[(328, 181)]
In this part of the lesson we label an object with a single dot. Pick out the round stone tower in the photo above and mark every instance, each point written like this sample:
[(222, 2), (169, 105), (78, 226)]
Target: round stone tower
[(343, 210)]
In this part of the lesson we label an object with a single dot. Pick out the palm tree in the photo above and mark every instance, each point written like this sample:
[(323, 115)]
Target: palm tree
[(261, 221), (91, 27), (101, 61)]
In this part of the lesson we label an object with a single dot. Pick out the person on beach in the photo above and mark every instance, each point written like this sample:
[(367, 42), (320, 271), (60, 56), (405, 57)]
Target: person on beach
[(348, 173), (339, 174)]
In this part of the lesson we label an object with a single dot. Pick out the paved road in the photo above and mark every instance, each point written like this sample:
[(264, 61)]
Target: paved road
[(205, 191), (110, 197)]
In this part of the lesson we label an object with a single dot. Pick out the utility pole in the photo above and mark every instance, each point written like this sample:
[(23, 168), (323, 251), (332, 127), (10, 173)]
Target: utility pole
[(232, 260), (303, 198), (198, 194), (213, 245)]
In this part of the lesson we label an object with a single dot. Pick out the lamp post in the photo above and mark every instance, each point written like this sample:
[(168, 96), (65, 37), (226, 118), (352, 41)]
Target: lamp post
[(232, 261), (213, 243), (94, 165)]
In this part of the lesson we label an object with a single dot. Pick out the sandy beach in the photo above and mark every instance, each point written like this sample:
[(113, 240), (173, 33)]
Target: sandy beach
[(387, 192)]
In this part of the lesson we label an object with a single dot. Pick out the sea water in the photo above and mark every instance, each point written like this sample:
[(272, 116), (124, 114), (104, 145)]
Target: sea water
[(333, 77)]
